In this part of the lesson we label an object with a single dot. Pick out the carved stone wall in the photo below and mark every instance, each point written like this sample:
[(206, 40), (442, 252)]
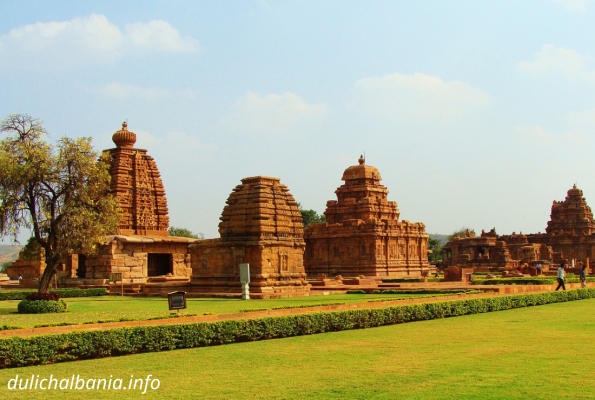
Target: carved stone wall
[(363, 234), (262, 226), (131, 255)]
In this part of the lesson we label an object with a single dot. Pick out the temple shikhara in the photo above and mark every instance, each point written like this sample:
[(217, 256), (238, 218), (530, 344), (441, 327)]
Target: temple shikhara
[(362, 234), (137, 185), (261, 225)]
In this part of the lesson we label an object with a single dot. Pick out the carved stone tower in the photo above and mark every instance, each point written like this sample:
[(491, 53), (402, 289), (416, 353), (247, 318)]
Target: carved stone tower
[(137, 185), (572, 216)]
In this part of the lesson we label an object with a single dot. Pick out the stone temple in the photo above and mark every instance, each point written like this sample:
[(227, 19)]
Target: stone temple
[(261, 225), (362, 234), (143, 251), (569, 235)]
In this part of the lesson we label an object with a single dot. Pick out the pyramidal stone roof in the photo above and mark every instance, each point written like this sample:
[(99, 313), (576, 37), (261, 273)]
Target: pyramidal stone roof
[(137, 185), (261, 208)]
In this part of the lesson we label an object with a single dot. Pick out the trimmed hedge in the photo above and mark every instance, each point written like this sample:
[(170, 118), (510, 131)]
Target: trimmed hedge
[(423, 291), (78, 345), (9, 327), (41, 306), (408, 280), (535, 280), (290, 307), (64, 293)]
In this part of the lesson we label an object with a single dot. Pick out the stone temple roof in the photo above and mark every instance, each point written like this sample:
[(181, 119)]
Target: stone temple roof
[(361, 171)]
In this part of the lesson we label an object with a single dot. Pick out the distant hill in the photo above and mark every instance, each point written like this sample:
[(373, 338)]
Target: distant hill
[(9, 253), (442, 238)]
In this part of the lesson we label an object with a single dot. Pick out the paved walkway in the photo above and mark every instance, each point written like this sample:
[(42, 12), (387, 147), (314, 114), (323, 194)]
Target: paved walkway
[(269, 313)]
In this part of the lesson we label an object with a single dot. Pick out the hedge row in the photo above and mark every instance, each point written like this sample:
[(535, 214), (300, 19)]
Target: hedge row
[(424, 291), (77, 345), (536, 280), (408, 280), (425, 296), (64, 293)]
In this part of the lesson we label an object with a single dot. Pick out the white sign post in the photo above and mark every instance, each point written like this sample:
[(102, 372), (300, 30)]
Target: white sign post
[(245, 279)]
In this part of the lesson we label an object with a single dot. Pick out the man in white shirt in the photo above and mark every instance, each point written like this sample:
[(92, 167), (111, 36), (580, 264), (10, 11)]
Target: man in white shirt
[(561, 277)]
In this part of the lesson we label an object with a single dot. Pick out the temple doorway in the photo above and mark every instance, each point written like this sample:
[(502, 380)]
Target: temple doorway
[(159, 264), (81, 267)]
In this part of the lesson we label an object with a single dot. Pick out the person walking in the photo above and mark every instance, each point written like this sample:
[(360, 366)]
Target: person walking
[(538, 267), (561, 277), (583, 276)]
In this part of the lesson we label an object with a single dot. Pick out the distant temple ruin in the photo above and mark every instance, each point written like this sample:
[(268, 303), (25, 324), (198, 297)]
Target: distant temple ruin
[(570, 235), (362, 234)]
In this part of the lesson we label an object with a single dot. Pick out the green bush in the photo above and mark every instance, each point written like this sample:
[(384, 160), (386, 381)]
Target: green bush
[(64, 293), (41, 306), (356, 292), (77, 345), (9, 327), (534, 280), (424, 291)]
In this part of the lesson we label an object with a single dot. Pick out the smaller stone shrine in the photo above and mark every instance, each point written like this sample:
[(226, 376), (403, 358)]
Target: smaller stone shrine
[(362, 234), (261, 225)]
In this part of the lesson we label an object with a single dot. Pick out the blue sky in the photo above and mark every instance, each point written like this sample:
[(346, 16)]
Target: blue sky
[(476, 114)]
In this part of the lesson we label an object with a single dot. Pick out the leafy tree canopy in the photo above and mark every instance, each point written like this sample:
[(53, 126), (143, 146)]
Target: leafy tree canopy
[(183, 232), (59, 192), (436, 254), (310, 216), (461, 232)]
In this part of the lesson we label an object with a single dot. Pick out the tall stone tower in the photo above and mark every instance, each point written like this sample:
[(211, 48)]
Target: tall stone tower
[(572, 216), (261, 225), (362, 234), (137, 185)]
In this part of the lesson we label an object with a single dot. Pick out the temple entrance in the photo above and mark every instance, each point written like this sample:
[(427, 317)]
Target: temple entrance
[(81, 268), (159, 264)]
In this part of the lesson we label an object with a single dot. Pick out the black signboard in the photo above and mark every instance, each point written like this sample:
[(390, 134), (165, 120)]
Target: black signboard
[(177, 300)]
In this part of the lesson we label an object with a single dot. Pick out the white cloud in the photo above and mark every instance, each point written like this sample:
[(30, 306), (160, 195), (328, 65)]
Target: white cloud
[(416, 96), (85, 40), (552, 60), (272, 113), (574, 5), (536, 135), (123, 91)]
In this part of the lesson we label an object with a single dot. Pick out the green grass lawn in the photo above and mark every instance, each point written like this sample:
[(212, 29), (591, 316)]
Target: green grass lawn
[(540, 352), (116, 307)]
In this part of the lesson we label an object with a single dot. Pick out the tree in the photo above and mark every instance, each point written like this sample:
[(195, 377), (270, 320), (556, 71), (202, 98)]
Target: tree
[(4, 265), (59, 192), (436, 254), (461, 232), (183, 232), (311, 217)]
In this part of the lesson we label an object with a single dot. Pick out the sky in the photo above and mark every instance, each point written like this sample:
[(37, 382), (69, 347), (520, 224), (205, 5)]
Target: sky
[(476, 114)]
